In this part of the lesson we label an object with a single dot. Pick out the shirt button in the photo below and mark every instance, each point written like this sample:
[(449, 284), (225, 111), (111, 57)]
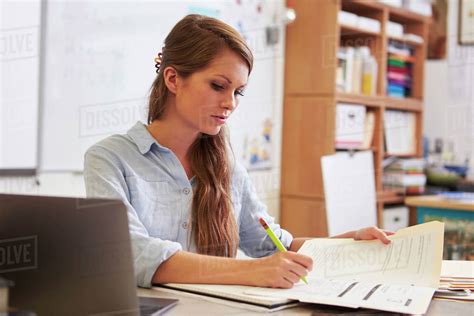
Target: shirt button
[(186, 191), (185, 225)]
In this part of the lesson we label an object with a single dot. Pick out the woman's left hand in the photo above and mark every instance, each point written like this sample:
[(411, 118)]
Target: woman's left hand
[(370, 233)]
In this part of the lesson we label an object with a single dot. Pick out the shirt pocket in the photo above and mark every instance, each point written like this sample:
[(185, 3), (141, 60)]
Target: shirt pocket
[(158, 206)]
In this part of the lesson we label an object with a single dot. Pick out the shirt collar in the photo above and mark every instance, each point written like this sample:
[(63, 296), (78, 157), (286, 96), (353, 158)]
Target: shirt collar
[(143, 139)]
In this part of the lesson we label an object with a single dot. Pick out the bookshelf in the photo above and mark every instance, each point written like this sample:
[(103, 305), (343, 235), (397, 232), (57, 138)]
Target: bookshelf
[(311, 96)]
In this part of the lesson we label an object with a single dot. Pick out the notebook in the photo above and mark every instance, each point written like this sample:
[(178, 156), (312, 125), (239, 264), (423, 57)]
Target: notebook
[(233, 293)]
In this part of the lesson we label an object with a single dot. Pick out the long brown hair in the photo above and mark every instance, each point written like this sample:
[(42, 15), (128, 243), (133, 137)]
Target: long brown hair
[(190, 46)]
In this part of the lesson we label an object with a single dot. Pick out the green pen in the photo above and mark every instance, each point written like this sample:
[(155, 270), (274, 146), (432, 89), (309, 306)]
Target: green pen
[(276, 241)]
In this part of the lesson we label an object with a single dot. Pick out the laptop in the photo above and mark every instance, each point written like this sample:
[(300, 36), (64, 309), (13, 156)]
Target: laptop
[(69, 256)]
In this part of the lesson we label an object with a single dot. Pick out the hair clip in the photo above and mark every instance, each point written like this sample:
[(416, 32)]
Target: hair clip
[(158, 61)]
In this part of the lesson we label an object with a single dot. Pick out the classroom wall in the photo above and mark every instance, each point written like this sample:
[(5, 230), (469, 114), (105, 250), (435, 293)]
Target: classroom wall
[(449, 97), (266, 79)]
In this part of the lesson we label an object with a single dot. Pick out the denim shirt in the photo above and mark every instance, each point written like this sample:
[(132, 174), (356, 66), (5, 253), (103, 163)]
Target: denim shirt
[(152, 183)]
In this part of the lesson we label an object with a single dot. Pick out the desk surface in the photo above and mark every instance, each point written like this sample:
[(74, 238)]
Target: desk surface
[(436, 201), (198, 305)]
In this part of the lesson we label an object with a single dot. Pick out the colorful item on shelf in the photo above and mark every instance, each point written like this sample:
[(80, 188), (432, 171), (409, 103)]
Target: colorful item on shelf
[(405, 176), (399, 70)]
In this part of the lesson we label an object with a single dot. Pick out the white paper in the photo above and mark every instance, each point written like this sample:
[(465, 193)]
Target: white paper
[(399, 128), (413, 257), (400, 277), (349, 190)]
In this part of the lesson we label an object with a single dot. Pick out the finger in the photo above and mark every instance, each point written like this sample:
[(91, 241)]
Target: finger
[(285, 284), (381, 236), (389, 233), (298, 269), (305, 261), (291, 276)]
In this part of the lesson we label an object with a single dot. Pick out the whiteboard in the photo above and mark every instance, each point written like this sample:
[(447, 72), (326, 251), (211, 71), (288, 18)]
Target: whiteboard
[(19, 83), (99, 66), (349, 191)]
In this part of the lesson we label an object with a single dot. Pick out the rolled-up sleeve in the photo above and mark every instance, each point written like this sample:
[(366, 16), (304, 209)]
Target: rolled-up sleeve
[(105, 178), (254, 241)]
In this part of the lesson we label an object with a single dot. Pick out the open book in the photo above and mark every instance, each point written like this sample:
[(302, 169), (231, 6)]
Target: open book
[(399, 277)]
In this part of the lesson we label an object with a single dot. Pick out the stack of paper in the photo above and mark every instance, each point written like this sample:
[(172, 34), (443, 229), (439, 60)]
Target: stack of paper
[(457, 280), (400, 132), (405, 176), (399, 277), (349, 191)]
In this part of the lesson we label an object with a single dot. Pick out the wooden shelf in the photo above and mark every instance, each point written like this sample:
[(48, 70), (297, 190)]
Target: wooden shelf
[(387, 155), (399, 15), (361, 7), (404, 16), (375, 101), (406, 104), (390, 197), (347, 30), (309, 113), (405, 41)]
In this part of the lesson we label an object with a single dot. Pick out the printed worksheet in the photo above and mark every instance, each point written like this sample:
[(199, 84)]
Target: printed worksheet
[(399, 277), (413, 257)]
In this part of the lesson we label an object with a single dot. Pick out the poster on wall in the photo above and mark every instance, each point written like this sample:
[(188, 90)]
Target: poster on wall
[(257, 152), (466, 22)]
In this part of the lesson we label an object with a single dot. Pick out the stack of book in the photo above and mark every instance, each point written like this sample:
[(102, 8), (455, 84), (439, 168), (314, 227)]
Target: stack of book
[(356, 70), (405, 176), (399, 71), (456, 280)]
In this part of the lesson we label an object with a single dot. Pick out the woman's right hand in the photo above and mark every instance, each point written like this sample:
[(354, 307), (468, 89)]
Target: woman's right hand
[(281, 270)]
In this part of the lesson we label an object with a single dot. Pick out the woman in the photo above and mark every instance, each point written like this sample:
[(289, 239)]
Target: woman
[(190, 205)]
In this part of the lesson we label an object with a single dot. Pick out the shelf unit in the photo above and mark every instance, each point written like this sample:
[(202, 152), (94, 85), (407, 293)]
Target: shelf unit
[(310, 101)]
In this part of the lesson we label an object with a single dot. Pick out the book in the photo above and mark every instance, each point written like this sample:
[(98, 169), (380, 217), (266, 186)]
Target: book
[(369, 128), (350, 125), (400, 277), (408, 164), (405, 176), (357, 71), (349, 69), (399, 69), (341, 70), (233, 293), (399, 132), (403, 180)]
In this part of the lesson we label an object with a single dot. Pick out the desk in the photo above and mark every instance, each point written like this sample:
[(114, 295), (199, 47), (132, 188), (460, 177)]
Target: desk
[(458, 217), (194, 305)]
